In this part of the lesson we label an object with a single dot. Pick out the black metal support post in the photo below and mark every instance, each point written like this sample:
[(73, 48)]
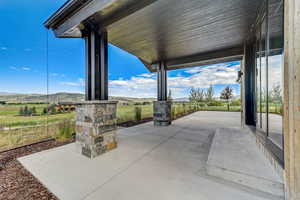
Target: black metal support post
[(161, 82), (96, 65), (249, 81)]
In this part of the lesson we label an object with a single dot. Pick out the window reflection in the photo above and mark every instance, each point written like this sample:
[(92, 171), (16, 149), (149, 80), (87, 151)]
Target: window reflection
[(263, 71), (258, 81), (275, 72), (269, 63)]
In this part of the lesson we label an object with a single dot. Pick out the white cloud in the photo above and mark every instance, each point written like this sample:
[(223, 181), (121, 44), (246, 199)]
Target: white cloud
[(145, 85), (274, 70), (78, 83), (53, 74), (20, 68), (25, 68), (3, 48), (200, 77), (147, 75)]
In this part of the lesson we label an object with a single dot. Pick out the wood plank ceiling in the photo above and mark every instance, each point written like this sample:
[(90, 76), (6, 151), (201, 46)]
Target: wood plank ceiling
[(168, 29), (165, 30)]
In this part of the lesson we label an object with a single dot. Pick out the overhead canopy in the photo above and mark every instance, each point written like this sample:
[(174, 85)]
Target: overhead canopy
[(182, 33)]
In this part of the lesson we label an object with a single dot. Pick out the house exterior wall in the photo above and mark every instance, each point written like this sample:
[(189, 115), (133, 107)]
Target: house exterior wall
[(292, 98)]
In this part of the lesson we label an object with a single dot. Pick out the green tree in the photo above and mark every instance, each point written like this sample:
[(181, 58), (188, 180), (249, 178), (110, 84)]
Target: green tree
[(196, 96), (276, 94), (193, 95), (29, 112), (275, 98), (170, 96), (33, 110), (200, 95), (45, 111), (227, 94), (25, 111), (209, 95), (52, 109), (21, 111), (137, 114)]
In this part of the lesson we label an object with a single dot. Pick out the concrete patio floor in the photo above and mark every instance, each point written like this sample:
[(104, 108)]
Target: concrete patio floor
[(150, 163)]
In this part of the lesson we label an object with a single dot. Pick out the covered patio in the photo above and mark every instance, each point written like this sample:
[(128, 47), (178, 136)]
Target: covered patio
[(164, 35), (163, 163)]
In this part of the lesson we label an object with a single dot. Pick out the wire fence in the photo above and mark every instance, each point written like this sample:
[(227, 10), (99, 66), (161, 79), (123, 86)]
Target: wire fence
[(16, 130)]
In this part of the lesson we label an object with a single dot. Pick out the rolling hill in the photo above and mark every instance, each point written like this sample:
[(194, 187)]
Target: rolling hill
[(58, 97)]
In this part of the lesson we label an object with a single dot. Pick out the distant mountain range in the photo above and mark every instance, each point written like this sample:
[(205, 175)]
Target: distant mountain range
[(58, 97), (64, 97)]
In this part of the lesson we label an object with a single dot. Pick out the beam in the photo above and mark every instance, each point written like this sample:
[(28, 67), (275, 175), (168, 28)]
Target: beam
[(96, 65), (208, 58), (215, 57), (68, 22), (161, 82), (63, 12)]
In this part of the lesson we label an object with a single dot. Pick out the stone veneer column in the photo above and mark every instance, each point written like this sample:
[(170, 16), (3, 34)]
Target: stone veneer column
[(162, 113), (96, 125)]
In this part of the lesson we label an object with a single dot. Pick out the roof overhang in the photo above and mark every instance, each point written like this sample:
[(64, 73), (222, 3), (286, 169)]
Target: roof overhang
[(182, 33)]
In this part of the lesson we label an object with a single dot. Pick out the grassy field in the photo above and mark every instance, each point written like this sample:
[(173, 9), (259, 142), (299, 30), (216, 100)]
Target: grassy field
[(127, 112), (9, 116), (16, 130)]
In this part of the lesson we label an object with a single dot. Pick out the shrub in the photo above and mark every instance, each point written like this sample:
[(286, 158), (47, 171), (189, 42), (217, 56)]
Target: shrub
[(45, 111), (33, 110), (236, 102), (215, 103), (137, 113), (25, 111), (202, 104), (281, 110), (21, 111), (65, 130), (173, 113), (52, 109), (29, 112)]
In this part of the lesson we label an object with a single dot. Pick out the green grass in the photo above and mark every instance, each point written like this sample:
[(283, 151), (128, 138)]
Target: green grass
[(12, 109), (221, 108), (127, 112), (22, 130), (9, 116)]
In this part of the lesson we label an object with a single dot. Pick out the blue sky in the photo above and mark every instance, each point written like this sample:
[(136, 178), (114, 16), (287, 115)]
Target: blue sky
[(23, 60)]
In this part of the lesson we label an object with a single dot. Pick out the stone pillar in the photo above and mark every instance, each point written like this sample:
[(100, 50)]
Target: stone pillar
[(96, 125), (162, 113)]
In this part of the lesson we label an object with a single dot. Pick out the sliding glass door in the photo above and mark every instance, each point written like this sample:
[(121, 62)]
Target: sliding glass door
[(269, 76)]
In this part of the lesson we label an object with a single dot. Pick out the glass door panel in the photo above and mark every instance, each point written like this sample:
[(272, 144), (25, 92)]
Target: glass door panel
[(263, 76), (275, 73), (258, 81)]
